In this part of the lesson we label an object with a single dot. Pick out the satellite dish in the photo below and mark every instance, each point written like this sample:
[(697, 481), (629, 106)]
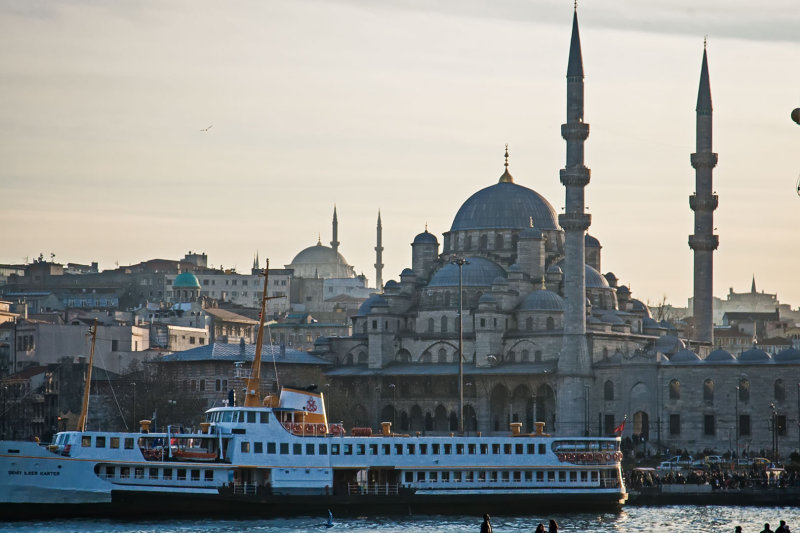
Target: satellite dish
[(796, 115)]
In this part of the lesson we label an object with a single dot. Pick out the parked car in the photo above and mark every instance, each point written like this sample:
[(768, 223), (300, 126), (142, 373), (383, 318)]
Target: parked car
[(668, 466), (681, 459), (714, 459)]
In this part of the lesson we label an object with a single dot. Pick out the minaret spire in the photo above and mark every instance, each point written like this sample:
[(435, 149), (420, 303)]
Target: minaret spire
[(574, 362), (753, 286), (703, 202), (335, 241), (379, 255)]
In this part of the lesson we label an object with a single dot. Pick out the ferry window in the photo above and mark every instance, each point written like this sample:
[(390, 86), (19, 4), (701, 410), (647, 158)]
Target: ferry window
[(245, 447), (595, 476), (518, 449), (562, 476), (114, 441), (493, 476), (309, 449), (86, 441), (323, 449), (531, 449), (551, 476), (109, 471), (128, 443), (435, 449), (409, 477), (227, 416), (471, 449), (100, 442), (251, 417), (181, 474), (139, 472), (528, 475), (448, 449), (420, 476), (457, 477), (386, 449), (517, 475), (264, 418), (423, 449), (154, 473), (495, 449), (459, 449), (584, 477), (235, 416), (195, 475), (540, 476), (470, 476), (432, 477), (125, 472), (209, 475), (360, 449), (297, 449), (258, 447), (373, 449), (284, 448), (484, 449), (398, 449), (167, 473), (445, 477), (573, 476), (542, 449), (505, 476), (411, 449), (507, 449), (334, 449), (270, 447), (482, 476)]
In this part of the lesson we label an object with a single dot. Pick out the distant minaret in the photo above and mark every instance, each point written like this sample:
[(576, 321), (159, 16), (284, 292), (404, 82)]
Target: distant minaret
[(254, 270), (703, 203), (335, 241), (379, 255), (574, 362), (753, 286)]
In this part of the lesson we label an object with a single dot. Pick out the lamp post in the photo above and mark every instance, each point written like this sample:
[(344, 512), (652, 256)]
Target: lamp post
[(737, 422), (798, 418), (460, 262), (172, 411), (394, 403), (533, 414), (133, 411), (774, 432)]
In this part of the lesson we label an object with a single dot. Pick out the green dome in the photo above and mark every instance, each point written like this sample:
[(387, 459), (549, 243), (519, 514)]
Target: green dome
[(186, 280)]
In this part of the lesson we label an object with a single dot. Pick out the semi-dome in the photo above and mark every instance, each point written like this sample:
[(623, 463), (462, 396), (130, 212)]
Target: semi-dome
[(407, 272), (789, 354), (594, 279), (720, 356), (554, 269), (376, 300), (684, 356), (391, 284), (542, 300), (754, 355), (425, 238), (505, 205), (669, 344), (478, 272), (640, 307), (186, 280)]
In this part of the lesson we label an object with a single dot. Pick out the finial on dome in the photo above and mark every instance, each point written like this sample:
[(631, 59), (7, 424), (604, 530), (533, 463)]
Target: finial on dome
[(506, 177), (426, 227), (705, 42), (319, 239), (576, 5)]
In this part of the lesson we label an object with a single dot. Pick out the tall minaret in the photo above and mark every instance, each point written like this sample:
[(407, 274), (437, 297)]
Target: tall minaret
[(335, 241), (703, 203), (574, 362), (379, 255)]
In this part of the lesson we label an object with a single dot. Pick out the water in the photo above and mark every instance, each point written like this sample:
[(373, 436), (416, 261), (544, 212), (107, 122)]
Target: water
[(632, 519)]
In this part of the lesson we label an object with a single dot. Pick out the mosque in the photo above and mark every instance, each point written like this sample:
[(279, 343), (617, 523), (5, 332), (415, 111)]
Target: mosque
[(513, 321)]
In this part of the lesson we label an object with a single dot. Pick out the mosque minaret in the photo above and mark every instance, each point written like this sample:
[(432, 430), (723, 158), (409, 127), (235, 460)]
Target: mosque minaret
[(379, 255)]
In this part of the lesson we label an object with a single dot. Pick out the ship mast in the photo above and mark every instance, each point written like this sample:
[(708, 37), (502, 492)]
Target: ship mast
[(252, 396), (87, 388)]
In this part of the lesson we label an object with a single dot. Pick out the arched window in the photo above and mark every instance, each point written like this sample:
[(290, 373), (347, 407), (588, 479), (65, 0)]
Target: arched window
[(537, 356), (608, 391), (780, 390), (512, 355), (362, 358), (529, 323), (526, 355), (442, 355), (708, 390), (605, 352), (674, 390), (444, 324), (551, 323), (430, 325), (484, 242), (744, 390), (498, 242)]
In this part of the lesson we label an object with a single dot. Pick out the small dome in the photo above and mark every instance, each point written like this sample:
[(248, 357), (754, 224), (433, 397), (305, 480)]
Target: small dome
[(530, 233), (514, 268), (669, 344), (376, 300), (754, 355), (487, 298), (684, 356), (477, 272), (594, 279), (391, 284), (186, 280), (407, 272), (622, 289), (590, 242), (648, 322), (425, 238), (720, 356), (640, 307), (789, 354), (611, 279), (555, 269), (542, 300)]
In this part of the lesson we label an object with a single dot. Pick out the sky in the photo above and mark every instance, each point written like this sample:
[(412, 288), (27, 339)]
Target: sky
[(402, 106)]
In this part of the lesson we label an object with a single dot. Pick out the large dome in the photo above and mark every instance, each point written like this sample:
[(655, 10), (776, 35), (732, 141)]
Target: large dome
[(505, 205), (320, 262), (318, 254)]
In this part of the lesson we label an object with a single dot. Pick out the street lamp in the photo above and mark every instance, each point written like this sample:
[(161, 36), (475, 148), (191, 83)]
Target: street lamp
[(394, 403), (737, 422), (460, 262), (774, 433)]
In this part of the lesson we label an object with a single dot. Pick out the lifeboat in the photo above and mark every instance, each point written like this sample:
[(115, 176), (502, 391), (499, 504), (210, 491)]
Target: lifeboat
[(197, 455)]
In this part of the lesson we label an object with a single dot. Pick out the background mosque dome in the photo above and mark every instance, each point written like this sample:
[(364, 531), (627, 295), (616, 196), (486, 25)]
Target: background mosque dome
[(505, 205), (320, 261), (542, 300), (318, 254), (186, 280), (376, 300), (479, 272)]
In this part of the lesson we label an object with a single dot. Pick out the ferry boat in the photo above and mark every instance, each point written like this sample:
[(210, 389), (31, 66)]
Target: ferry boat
[(280, 455)]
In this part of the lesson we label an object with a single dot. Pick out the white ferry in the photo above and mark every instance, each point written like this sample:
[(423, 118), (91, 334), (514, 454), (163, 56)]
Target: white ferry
[(279, 455)]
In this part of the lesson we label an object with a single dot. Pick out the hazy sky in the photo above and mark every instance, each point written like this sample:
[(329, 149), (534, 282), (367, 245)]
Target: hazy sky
[(397, 105)]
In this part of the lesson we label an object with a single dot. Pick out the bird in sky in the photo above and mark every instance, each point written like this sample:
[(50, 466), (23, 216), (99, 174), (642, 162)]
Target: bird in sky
[(208, 128)]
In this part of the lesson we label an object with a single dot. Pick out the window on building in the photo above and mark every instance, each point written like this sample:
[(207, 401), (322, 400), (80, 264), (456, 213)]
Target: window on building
[(744, 390), (674, 390), (708, 390), (114, 345), (780, 391), (610, 425), (551, 323), (780, 425), (529, 323), (674, 424), (444, 324), (608, 391), (709, 425)]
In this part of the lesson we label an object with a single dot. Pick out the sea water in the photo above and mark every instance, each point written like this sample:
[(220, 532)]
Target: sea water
[(688, 519)]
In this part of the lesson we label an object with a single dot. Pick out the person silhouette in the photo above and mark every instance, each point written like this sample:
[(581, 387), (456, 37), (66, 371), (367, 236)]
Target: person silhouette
[(486, 526)]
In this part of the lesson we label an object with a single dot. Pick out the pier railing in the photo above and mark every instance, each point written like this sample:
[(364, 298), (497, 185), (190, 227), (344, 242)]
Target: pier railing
[(372, 489)]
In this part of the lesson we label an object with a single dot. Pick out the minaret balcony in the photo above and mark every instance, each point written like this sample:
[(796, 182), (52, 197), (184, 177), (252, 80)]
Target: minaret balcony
[(708, 202), (574, 221), (575, 176), (703, 242), (704, 160), (575, 131)]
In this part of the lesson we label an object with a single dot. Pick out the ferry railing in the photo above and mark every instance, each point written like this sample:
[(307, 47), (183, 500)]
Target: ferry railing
[(244, 488), (373, 489)]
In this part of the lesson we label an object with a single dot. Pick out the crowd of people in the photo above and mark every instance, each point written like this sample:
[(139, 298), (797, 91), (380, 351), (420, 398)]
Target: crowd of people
[(782, 528), (486, 526), (718, 479)]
